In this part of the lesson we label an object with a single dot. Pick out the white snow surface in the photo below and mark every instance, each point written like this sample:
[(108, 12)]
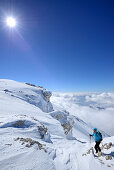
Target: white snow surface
[(57, 129), (96, 109)]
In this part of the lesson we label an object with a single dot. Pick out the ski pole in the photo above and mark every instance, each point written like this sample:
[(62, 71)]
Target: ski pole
[(90, 139)]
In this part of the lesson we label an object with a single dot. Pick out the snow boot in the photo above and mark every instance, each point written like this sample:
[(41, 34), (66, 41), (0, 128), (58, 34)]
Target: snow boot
[(99, 154)]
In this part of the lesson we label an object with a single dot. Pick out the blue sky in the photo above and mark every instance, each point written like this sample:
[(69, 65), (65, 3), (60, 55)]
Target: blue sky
[(63, 45)]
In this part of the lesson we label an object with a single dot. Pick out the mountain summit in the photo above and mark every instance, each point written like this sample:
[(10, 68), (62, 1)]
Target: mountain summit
[(43, 130)]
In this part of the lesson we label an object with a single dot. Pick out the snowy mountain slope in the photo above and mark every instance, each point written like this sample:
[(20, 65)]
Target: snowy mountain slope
[(32, 94), (96, 109), (34, 137)]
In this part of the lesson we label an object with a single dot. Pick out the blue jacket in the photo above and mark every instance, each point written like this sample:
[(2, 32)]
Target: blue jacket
[(96, 136)]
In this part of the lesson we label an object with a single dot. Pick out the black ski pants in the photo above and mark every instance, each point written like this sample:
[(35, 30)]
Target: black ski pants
[(97, 148)]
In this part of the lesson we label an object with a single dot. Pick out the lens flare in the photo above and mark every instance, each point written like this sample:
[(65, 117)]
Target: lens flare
[(11, 22)]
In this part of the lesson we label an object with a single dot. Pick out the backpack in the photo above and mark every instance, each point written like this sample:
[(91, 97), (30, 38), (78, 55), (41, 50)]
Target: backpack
[(100, 134)]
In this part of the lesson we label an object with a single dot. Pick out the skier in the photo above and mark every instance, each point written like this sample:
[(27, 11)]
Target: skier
[(98, 138)]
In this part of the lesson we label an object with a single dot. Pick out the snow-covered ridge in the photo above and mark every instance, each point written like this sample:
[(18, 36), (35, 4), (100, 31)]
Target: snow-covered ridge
[(27, 92), (40, 131)]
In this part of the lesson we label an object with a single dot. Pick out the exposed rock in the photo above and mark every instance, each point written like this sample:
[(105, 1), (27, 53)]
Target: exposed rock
[(107, 146), (67, 127), (8, 144), (97, 107), (31, 84), (66, 121), (28, 145), (42, 130), (108, 157), (91, 148), (44, 133), (41, 98), (6, 90), (84, 154), (31, 142), (110, 144), (88, 152), (15, 139), (19, 123), (47, 95), (23, 143)]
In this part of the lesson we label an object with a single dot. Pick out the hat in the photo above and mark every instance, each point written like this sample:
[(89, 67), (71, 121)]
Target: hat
[(95, 129)]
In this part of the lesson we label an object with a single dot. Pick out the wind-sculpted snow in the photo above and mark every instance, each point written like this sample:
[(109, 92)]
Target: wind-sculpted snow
[(34, 136), (18, 124), (34, 95)]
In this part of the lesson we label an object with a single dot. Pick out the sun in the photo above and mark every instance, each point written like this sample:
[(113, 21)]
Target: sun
[(11, 22)]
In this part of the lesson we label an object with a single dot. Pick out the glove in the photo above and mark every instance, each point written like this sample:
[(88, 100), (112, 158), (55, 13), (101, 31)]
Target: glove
[(90, 135)]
